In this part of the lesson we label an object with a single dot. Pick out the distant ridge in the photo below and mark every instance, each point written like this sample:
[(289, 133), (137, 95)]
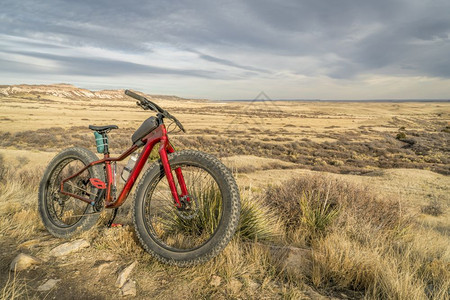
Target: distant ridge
[(65, 90)]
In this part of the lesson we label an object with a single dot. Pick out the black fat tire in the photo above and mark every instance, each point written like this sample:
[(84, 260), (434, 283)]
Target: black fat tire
[(225, 231), (87, 221)]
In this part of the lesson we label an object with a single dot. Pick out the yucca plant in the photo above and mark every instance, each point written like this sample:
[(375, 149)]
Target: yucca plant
[(207, 204), (257, 221), (317, 214)]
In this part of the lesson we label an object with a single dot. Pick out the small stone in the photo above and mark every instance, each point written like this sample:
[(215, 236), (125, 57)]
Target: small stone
[(123, 276), (298, 259), (23, 261), (235, 286), (313, 295), (215, 281), (67, 248), (48, 285), (129, 288), (253, 285), (103, 266), (296, 262)]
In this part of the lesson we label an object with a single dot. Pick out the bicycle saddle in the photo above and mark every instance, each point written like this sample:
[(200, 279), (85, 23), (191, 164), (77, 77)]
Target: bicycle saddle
[(103, 128)]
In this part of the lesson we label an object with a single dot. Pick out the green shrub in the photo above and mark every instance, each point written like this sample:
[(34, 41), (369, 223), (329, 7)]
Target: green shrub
[(400, 136), (257, 221), (316, 215), (317, 202)]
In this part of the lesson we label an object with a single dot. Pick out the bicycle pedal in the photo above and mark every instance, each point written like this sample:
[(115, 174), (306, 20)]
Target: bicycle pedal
[(98, 183)]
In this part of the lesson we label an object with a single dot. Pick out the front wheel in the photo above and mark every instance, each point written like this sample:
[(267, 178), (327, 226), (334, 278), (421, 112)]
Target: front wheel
[(205, 223)]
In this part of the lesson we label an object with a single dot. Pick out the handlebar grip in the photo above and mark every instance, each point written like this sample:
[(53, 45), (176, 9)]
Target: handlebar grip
[(144, 100), (135, 96)]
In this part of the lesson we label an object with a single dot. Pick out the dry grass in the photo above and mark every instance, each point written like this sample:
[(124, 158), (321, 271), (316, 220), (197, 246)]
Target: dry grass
[(363, 245), (18, 204), (434, 208), (308, 205), (14, 288), (332, 137), (121, 240), (361, 242), (258, 222)]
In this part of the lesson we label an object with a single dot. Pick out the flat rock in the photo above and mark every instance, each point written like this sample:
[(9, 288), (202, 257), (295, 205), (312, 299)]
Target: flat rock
[(48, 285), (103, 266), (129, 288), (215, 281), (253, 285), (123, 276), (23, 261), (294, 261), (235, 286), (298, 259), (70, 247)]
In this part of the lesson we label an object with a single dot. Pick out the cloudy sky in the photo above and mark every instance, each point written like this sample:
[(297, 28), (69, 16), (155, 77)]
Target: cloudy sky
[(320, 49)]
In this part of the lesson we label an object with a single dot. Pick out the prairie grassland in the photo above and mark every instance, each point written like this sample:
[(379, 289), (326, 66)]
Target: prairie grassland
[(368, 208)]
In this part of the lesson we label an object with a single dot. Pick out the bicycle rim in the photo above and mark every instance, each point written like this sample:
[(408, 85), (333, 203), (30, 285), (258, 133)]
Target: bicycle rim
[(66, 211)]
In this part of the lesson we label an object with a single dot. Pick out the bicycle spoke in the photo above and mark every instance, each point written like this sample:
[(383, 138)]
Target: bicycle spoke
[(67, 210), (185, 230)]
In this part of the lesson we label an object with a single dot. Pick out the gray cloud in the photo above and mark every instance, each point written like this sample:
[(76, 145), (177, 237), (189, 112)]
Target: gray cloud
[(108, 67), (237, 39)]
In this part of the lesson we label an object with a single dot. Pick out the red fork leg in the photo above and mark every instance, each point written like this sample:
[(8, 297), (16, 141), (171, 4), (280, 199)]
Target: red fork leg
[(168, 171), (180, 177)]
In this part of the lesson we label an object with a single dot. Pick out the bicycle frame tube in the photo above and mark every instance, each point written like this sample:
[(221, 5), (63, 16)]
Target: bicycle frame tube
[(159, 135)]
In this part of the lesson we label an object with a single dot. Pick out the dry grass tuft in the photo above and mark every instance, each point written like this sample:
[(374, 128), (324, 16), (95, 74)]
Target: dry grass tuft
[(258, 221), (18, 204), (434, 208), (310, 205), (13, 289), (2, 169), (122, 240)]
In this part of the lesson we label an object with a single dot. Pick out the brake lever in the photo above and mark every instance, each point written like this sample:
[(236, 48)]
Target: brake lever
[(180, 125), (141, 105), (168, 115)]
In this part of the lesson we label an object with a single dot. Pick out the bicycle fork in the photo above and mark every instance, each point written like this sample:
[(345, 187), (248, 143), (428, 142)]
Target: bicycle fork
[(163, 149)]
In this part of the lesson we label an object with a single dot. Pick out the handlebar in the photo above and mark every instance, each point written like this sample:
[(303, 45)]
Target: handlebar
[(147, 104)]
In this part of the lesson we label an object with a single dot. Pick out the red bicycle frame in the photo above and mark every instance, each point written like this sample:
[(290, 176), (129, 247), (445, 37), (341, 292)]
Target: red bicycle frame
[(159, 135)]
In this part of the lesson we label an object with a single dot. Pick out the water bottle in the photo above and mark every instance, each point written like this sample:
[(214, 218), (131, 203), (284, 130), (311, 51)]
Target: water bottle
[(129, 167), (100, 141)]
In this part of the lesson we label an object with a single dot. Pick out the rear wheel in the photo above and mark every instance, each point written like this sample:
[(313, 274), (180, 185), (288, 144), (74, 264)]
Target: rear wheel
[(63, 215), (204, 224)]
